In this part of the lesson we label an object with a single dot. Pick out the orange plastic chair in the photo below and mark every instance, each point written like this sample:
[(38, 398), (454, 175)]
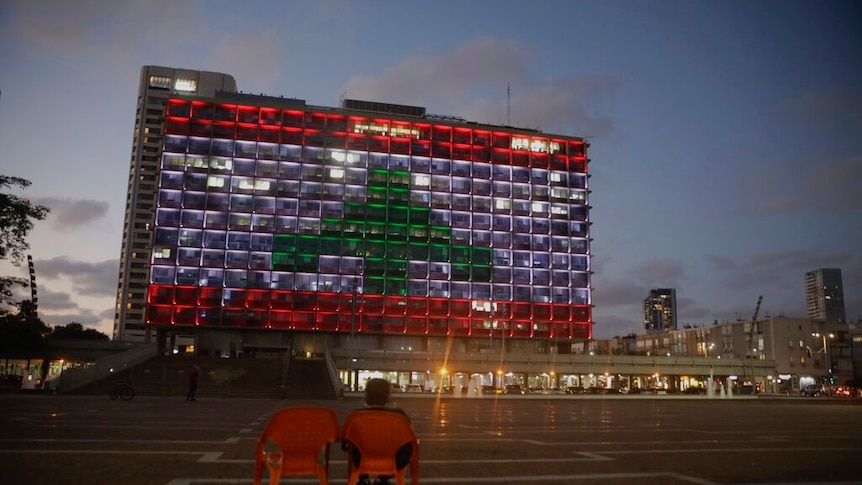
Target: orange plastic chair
[(378, 435), (303, 435)]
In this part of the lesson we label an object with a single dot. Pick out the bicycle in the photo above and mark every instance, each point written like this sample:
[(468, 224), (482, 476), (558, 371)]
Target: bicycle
[(122, 390)]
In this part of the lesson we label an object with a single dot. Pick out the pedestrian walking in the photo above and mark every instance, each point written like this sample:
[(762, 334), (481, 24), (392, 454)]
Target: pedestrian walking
[(194, 375)]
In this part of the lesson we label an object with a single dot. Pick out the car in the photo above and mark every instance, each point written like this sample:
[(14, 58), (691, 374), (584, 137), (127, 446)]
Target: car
[(513, 389), (396, 388), (413, 388), (842, 391), (575, 390), (451, 389), (747, 389), (491, 390), (812, 390)]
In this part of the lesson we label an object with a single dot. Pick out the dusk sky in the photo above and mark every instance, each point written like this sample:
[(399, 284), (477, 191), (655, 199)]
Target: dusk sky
[(726, 135)]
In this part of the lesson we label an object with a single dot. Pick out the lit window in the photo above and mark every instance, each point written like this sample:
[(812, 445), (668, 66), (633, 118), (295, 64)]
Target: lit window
[(483, 306), (519, 143), (336, 173), (161, 82), (186, 85), (215, 181), (422, 180), (379, 128), (261, 185), (577, 195), (540, 146), (162, 253)]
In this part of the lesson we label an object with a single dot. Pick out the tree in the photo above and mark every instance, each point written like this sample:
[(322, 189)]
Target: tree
[(75, 331), (22, 333), (17, 216)]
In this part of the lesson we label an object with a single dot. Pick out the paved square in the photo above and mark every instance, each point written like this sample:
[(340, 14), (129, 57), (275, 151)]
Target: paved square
[(529, 439)]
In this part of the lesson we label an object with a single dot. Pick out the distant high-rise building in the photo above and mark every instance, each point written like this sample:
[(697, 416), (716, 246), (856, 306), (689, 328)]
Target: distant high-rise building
[(824, 295), (660, 310)]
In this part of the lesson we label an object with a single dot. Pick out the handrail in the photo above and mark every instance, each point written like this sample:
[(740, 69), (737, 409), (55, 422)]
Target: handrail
[(77, 377), (585, 363), (337, 385)]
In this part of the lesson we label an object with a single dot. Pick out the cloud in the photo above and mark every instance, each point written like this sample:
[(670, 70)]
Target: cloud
[(688, 311), (54, 300), (617, 292), (70, 214), (833, 110), (91, 279), (763, 268), (102, 321), (825, 188), (821, 172), (659, 273), (85, 317), (615, 325), (66, 29), (472, 80), (108, 313), (231, 54), (720, 261)]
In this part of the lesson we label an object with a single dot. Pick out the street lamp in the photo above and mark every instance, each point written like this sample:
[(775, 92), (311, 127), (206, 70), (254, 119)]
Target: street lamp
[(351, 381), (825, 349), (710, 388)]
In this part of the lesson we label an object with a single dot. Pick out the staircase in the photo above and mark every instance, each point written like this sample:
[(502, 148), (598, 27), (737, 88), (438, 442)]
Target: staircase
[(224, 378), (309, 379)]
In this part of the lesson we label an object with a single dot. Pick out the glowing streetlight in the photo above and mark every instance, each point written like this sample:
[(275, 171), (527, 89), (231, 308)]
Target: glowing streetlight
[(825, 349), (709, 383)]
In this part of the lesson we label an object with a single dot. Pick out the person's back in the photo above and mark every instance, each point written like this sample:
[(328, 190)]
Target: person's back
[(377, 393)]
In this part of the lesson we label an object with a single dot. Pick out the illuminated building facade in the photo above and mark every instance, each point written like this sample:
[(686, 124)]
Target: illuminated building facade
[(660, 310), (261, 214)]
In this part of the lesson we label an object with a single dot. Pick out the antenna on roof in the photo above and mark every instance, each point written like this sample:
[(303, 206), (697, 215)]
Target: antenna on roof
[(508, 104)]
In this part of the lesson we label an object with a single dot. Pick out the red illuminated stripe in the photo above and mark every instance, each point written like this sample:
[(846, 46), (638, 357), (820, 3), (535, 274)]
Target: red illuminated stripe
[(298, 310)]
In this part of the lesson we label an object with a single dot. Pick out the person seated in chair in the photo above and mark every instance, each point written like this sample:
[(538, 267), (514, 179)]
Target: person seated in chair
[(377, 399)]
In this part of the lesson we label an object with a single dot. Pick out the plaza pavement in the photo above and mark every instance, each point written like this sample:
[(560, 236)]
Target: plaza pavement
[(494, 439)]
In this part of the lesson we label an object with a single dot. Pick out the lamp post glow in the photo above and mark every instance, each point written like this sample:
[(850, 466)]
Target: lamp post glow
[(709, 383), (825, 350), (351, 381)]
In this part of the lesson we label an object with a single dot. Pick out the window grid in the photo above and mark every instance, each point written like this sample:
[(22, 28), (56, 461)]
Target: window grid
[(268, 217)]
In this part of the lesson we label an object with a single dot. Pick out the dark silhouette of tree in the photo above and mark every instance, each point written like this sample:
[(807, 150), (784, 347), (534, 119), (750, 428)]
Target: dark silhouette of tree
[(17, 215), (75, 331), (21, 332)]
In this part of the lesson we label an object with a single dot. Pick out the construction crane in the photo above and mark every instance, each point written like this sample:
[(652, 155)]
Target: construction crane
[(752, 331), (751, 351)]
